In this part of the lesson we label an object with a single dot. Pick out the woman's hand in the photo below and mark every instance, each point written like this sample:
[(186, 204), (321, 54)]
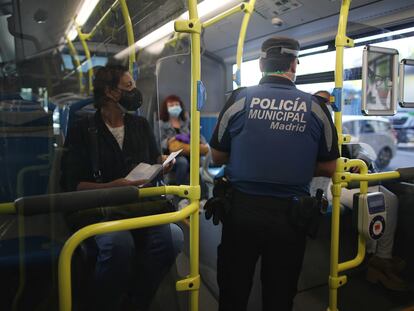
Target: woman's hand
[(166, 169), (355, 170)]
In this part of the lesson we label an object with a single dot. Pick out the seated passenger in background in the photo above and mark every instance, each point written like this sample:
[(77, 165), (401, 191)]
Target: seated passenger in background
[(122, 141), (382, 266), (321, 182), (174, 126)]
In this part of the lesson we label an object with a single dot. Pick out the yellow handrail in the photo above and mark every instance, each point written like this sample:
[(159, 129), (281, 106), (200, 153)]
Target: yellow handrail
[(341, 177), (112, 8), (192, 282), (193, 27), (130, 34), (82, 38), (242, 35), (238, 8), (64, 270), (75, 57), (247, 8), (7, 208), (334, 281)]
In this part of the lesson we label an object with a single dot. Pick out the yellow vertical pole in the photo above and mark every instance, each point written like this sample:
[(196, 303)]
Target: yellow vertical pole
[(242, 36), (195, 147), (130, 34), (82, 38), (341, 41), (75, 57)]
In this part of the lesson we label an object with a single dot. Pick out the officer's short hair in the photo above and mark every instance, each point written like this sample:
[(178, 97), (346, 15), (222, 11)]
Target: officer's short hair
[(277, 53)]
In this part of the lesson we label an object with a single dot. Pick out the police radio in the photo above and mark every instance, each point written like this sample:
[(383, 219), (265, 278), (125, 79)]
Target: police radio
[(371, 213)]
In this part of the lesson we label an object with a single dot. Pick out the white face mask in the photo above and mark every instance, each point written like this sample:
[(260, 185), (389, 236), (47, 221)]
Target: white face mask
[(175, 111)]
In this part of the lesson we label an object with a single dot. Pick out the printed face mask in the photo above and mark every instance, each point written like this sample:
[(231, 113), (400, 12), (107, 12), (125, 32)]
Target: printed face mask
[(174, 111)]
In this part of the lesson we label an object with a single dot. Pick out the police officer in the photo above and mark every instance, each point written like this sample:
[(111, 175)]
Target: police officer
[(273, 139)]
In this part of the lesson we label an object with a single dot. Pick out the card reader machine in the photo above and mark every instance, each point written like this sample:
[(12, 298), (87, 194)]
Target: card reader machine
[(371, 213)]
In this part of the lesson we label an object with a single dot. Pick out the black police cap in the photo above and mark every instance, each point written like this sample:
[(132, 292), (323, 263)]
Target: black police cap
[(277, 47)]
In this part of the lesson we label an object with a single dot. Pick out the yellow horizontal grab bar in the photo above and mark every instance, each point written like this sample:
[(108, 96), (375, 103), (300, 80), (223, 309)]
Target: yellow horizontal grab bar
[(152, 191), (238, 8), (375, 176), (184, 191), (92, 33), (65, 291), (357, 163), (7, 208)]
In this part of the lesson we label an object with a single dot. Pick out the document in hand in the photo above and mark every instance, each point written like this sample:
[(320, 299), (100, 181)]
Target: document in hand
[(144, 171)]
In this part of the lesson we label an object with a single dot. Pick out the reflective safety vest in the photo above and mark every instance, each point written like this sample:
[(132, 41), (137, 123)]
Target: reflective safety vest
[(279, 139)]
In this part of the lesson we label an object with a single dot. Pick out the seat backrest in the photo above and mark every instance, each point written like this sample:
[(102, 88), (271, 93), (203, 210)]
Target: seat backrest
[(26, 146), (74, 111)]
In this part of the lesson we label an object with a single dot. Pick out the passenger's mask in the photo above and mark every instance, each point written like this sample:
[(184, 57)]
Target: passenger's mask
[(174, 111), (131, 100)]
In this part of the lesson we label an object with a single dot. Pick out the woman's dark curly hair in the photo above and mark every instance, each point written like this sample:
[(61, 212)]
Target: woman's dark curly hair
[(164, 115), (107, 77)]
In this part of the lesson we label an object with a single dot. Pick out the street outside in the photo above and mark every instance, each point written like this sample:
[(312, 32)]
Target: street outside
[(403, 158)]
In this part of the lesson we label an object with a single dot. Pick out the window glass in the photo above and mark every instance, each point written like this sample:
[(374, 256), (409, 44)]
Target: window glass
[(324, 62), (348, 128), (96, 61)]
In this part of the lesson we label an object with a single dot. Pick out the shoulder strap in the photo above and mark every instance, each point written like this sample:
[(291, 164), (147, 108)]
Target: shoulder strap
[(93, 140)]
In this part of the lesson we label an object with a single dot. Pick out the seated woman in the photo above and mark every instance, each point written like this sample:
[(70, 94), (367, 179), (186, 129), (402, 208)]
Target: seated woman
[(174, 128), (101, 151)]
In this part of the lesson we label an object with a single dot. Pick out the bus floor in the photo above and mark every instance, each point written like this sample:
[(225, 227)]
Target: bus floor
[(357, 295)]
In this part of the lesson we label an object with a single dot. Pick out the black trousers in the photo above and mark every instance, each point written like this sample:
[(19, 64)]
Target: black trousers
[(258, 226)]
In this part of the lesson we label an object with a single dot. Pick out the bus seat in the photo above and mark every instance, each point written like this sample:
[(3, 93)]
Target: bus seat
[(38, 250), (71, 112), (63, 102), (404, 236), (208, 123), (10, 96), (26, 146), (55, 171)]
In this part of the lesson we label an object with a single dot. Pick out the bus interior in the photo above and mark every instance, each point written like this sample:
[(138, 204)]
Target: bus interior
[(49, 51)]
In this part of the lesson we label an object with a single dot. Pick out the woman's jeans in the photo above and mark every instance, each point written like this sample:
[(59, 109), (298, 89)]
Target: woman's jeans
[(132, 263), (182, 170)]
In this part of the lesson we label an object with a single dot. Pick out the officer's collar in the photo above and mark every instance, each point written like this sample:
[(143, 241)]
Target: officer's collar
[(276, 80)]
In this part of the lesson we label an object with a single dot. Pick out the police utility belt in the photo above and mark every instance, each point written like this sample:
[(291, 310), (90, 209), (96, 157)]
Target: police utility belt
[(304, 212)]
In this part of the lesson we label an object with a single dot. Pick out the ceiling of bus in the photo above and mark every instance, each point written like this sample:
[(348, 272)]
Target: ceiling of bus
[(311, 23), (39, 25)]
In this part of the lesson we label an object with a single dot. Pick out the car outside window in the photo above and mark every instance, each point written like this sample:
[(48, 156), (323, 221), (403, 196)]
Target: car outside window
[(348, 128)]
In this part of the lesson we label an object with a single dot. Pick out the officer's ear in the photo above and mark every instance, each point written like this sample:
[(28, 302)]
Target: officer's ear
[(261, 65), (293, 64)]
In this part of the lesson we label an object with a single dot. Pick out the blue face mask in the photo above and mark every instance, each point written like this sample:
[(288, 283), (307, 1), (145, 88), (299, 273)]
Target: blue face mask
[(174, 111)]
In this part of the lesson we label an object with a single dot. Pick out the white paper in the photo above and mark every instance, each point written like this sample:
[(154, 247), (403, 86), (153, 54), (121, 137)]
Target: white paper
[(171, 157), (143, 171)]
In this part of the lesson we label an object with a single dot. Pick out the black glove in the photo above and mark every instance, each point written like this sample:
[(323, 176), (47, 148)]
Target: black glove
[(219, 205), (214, 207)]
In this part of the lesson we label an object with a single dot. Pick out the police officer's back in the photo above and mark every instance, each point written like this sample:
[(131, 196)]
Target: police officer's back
[(274, 138)]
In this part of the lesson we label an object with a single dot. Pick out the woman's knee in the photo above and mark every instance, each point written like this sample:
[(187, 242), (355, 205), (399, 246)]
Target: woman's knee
[(177, 236), (115, 246), (182, 162)]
